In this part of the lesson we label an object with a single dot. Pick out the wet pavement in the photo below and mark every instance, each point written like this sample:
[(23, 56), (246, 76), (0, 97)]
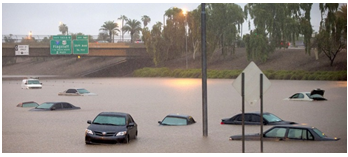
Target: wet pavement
[(148, 100)]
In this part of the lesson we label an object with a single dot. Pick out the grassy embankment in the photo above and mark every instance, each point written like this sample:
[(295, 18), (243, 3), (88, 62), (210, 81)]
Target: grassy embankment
[(229, 74)]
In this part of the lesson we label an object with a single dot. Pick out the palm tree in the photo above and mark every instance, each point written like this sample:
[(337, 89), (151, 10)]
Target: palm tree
[(146, 19), (132, 26), (123, 18), (110, 26), (63, 28)]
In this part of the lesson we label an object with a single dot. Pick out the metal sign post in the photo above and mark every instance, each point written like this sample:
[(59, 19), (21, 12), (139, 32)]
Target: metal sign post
[(243, 126), (261, 110), (204, 74)]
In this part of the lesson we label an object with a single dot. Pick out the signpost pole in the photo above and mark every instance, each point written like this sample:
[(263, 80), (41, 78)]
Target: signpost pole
[(261, 110), (204, 74), (243, 139)]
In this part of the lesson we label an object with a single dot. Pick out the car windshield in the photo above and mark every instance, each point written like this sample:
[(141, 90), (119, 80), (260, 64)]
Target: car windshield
[(30, 104), (321, 134), (45, 106), (271, 118), (110, 120), (82, 91), (33, 82), (174, 121)]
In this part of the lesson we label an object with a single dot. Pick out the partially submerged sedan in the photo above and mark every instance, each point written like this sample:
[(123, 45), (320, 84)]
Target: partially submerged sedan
[(253, 118), (288, 133), (314, 95), (31, 84), (52, 106), (177, 119), (111, 127), (76, 92), (28, 104)]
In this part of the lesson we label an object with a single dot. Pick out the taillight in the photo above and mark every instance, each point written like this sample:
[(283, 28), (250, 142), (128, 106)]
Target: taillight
[(222, 123)]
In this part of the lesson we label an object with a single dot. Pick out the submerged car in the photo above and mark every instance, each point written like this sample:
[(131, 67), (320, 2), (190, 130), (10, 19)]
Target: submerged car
[(111, 127), (28, 104), (288, 133), (314, 95), (52, 106), (31, 84), (253, 118), (76, 92), (177, 119)]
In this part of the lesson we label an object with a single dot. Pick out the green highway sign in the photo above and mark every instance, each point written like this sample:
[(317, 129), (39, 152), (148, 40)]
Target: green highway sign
[(82, 37), (60, 45), (80, 47)]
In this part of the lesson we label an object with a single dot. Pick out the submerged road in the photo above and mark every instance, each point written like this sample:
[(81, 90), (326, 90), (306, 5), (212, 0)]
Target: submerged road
[(148, 100)]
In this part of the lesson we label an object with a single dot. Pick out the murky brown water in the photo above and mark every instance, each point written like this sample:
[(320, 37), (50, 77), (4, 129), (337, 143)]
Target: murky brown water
[(148, 100)]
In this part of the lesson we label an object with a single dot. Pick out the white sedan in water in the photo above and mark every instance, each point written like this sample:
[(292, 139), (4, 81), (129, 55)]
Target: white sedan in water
[(315, 95), (76, 92)]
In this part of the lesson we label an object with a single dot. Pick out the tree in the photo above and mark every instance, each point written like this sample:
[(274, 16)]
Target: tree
[(333, 30), (9, 39), (63, 28), (132, 26), (123, 18), (111, 27), (146, 19), (276, 22)]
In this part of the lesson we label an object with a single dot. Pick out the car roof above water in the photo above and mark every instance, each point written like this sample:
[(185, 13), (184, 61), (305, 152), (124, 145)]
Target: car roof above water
[(113, 114)]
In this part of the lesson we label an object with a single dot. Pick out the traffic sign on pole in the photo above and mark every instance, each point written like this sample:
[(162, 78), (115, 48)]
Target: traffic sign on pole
[(80, 47)]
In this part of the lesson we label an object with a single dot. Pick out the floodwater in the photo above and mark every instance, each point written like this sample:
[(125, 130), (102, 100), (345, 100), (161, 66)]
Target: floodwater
[(149, 100)]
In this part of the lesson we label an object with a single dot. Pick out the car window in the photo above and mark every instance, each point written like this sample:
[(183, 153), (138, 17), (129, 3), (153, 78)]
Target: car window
[(67, 105), (82, 91), (113, 120), (271, 118), (294, 96), (58, 106), (45, 106), (174, 121), (33, 82), (71, 91), (276, 132), (301, 134), (255, 118), (247, 117), (31, 104)]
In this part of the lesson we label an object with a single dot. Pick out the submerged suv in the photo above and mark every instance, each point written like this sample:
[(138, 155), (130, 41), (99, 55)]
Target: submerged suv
[(31, 84)]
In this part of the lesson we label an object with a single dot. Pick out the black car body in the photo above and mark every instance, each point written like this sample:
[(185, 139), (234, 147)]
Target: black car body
[(55, 106), (177, 119), (253, 118), (288, 133), (28, 104), (76, 92), (111, 127)]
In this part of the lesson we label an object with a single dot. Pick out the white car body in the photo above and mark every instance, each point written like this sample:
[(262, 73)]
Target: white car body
[(316, 94), (31, 84)]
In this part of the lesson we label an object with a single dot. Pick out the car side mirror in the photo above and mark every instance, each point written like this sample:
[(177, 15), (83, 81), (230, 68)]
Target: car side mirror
[(41, 83), (53, 108), (89, 122), (159, 122), (131, 124)]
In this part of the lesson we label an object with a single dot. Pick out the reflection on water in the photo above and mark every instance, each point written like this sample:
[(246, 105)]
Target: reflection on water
[(150, 99)]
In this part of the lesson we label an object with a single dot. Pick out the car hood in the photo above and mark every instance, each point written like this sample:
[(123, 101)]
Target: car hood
[(33, 85), (106, 128)]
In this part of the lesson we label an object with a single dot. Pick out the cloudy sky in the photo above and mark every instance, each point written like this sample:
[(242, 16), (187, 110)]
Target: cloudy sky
[(87, 18)]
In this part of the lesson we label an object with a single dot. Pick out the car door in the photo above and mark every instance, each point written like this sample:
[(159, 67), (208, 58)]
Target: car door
[(57, 106), (297, 96), (299, 134), (131, 129), (66, 106)]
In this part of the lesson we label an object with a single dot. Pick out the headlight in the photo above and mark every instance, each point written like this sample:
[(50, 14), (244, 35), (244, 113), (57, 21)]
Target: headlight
[(89, 132), (121, 133)]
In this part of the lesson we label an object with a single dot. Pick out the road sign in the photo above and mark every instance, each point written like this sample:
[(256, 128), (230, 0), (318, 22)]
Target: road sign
[(81, 37), (252, 83), (21, 50), (80, 47), (60, 44)]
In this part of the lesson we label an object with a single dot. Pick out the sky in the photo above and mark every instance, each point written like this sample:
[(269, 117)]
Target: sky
[(87, 18)]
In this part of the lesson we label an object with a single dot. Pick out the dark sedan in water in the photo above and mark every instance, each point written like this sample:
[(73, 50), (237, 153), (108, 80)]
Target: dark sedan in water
[(253, 118), (288, 133), (55, 106), (111, 127)]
